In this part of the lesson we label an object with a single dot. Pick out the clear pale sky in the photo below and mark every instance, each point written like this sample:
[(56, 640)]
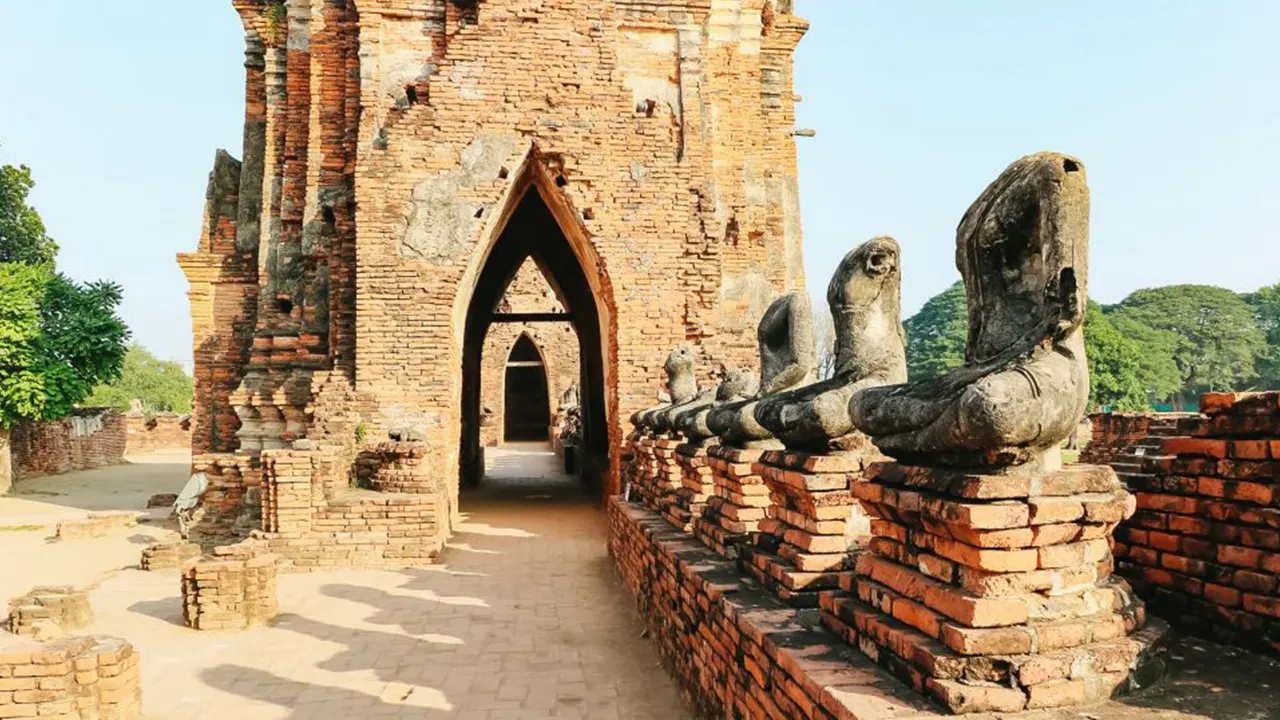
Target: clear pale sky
[(1174, 105)]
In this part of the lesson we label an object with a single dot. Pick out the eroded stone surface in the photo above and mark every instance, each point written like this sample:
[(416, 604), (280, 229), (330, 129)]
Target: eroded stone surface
[(870, 347), (1022, 249)]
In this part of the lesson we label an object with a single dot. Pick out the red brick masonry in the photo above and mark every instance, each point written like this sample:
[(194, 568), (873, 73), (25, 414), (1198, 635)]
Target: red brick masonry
[(737, 650), (1204, 546)]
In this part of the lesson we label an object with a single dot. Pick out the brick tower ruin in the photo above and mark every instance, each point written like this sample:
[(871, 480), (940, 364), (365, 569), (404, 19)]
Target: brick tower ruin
[(404, 158)]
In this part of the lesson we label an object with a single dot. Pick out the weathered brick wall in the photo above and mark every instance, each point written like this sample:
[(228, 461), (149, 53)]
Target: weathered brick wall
[(159, 432), (91, 438), (736, 650), (1112, 433), (1204, 546), (658, 132), (79, 678)]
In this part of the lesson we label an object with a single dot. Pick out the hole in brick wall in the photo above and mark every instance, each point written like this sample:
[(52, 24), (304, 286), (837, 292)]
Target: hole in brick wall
[(411, 92), (503, 174), (330, 220), (468, 11), (1071, 165), (561, 181), (284, 306), (479, 213), (588, 214), (649, 107)]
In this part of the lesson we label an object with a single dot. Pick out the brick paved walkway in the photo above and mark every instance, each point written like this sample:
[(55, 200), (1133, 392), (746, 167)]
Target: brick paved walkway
[(524, 618)]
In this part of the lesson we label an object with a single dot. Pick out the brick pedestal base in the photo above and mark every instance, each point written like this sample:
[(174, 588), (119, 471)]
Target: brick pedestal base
[(234, 589), (814, 524), (696, 487), (994, 593), (740, 500)]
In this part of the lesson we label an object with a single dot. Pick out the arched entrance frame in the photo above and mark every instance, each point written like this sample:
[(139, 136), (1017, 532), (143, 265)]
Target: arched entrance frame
[(589, 298)]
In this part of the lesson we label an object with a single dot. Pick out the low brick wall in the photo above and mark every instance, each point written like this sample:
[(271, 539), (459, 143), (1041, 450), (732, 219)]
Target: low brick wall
[(50, 611), (91, 438), (233, 589), (96, 525), (1204, 546), (736, 649), (80, 678), (161, 432), (166, 556)]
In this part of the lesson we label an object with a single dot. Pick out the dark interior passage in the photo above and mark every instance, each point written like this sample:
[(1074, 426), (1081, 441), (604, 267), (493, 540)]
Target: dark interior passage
[(526, 400)]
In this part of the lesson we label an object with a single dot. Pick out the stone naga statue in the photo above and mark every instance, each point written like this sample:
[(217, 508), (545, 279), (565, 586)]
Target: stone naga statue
[(738, 385), (787, 360), (681, 385), (865, 297), (1022, 249)]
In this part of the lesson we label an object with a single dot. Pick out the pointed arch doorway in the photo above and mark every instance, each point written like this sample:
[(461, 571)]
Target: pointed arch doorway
[(532, 231), (526, 412)]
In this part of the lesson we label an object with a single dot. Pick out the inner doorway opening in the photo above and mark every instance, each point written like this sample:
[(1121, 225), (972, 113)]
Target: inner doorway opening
[(527, 400), (533, 233)]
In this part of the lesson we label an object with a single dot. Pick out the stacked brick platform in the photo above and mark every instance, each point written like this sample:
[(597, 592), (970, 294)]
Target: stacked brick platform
[(814, 524), (737, 650), (96, 525), (994, 593), (696, 487), (80, 678), (740, 501), (1204, 546), (49, 611), (233, 589), (168, 555)]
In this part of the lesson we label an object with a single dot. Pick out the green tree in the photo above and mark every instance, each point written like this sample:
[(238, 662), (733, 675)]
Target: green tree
[(936, 335), (1266, 308), (1114, 364), (59, 339), (1158, 372), (22, 233), (160, 385), (1218, 339)]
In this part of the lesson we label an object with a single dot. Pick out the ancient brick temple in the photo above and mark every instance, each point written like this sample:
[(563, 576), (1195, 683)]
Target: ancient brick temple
[(404, 158)]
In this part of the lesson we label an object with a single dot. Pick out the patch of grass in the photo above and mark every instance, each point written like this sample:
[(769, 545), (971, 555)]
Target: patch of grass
[(19, 528)]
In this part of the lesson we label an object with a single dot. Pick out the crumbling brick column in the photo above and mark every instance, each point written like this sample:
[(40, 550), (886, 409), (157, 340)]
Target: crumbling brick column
[(49, 611), (814, 524), (994, 592), (79, 678), (1204, 546), (232, 590), (739, 503)]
